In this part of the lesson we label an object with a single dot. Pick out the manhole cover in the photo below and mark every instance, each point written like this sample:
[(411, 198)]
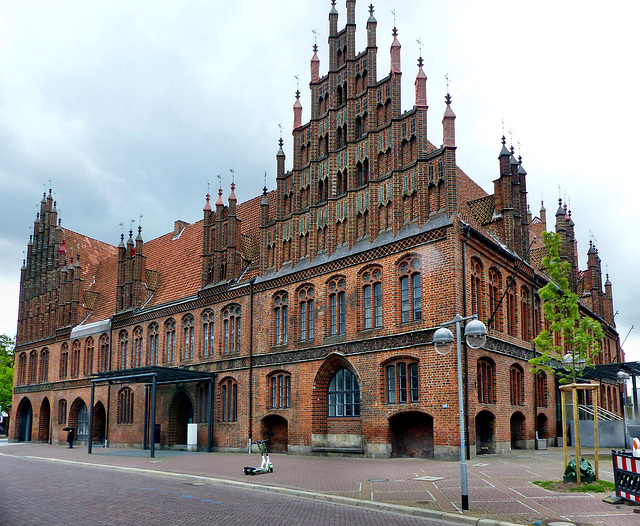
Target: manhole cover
[(428, 479), (377, 480), (561, 523)]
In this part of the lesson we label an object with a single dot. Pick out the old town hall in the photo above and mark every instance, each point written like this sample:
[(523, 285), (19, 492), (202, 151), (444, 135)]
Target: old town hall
[(306, 315)]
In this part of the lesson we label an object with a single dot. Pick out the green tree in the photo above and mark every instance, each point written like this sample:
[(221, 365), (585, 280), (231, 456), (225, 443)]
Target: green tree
[(580, 335), (7, 346)]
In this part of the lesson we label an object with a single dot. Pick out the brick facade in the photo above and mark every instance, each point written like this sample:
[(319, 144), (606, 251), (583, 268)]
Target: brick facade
[(314, 304)]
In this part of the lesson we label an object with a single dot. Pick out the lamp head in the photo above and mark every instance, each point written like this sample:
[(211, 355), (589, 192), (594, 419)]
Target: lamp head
[(622, 376), (443, 341), (475, 333)]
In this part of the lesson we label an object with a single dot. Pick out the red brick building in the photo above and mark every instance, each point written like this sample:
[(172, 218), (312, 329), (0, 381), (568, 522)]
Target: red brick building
[(312, 306)]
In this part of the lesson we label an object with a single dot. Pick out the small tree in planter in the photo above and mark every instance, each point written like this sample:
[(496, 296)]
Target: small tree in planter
[(579, 335)]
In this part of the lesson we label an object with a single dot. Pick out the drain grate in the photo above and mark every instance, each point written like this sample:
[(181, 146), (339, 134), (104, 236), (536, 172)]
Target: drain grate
[(377, 480)]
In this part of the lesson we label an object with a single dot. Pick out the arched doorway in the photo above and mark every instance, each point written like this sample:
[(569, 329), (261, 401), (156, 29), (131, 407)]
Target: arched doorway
[(180, 414), (99, 419), (517, 431), (485, 429), (83, 424), (24, 420), (542, 426), (411, 435), (44, 424), (275, 430)]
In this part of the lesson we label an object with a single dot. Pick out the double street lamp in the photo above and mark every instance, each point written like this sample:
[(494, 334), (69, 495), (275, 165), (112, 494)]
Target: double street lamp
[(475, 334)]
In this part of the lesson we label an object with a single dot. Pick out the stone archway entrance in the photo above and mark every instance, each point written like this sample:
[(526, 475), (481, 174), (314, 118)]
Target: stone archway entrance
[(485, 433), (24, 421), (180, 414), (542, 426), (517, 431), (411, 435), (44, 423), (275, 430), (99, 423)]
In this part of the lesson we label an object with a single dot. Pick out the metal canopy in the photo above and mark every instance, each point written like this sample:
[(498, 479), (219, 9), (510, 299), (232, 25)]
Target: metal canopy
[(143, 375), (608, 371), (152, 376)]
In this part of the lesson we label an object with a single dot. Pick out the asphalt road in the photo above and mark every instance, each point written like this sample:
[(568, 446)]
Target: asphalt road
[(44, 493)]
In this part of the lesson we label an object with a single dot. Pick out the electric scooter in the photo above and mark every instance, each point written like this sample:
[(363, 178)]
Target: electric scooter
[(266, 466)]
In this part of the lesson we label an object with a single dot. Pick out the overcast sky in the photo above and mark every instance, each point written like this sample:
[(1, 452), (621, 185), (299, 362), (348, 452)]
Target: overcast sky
[(131, 108)]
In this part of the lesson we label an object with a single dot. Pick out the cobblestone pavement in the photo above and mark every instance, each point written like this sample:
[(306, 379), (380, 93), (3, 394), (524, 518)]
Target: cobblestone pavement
[(500, 486), (59, 494)]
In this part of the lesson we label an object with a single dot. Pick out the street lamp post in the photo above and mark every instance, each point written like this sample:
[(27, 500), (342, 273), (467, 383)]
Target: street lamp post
[(622, 377), (475, 334)]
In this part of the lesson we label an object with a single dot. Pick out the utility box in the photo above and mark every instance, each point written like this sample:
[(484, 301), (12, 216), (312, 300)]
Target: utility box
[(541, 443), (192, 437)]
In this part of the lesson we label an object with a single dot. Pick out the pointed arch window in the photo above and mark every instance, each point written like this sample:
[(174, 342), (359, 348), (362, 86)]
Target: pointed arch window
[(44, 365), (103, 358), (231, 322), (22, 368), (402, 385), (541, 390), (486, 381), (88, 356), (64, 360), (476, 288), (337, 306), (137, 347), (344, 394), (525, 314), (188, 324), (512, 311), (170, 340), (495, 291), (75, 359), (280, 390), (124, 349), (33, 367), (372, 299), (410, 290), (125, 406), (207, 334), (229, 400), (306, 313), (152, 356), (281, 317), (517, 385), (62, 412)]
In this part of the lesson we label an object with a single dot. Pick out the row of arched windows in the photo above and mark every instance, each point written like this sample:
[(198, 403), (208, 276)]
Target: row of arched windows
[(518, 313), (487, 389), (370, 299)]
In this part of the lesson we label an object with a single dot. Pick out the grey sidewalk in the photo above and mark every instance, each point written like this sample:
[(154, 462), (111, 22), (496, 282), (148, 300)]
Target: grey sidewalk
[(500, 486)]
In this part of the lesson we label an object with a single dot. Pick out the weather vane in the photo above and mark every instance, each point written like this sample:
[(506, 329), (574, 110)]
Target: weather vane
[(315, 39), (297, 77), (131, 222), (219, 176), (122, 227), (140, 221), (280, 126), (233, 175), (419, 41), (393, 12)]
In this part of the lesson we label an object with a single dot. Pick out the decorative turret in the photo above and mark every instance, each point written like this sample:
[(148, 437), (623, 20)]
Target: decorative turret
[(297, 112), (372, 25), (448, 125), (421, 87), (315, 65), (543, 216), (396, 62)]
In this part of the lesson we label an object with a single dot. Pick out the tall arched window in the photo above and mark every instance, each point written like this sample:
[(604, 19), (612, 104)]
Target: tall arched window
[(476, 288), (123, 342), (337, 306), (306, 313), (525, 314), (62, 412), (231, 319), (402, 384), (104, 358), (33, 367), (125, 406), (517, 385), (495, 291), (88, 356), (280, 390), (75, 359), (344, 394), (137, 347), (22, 368), (207, 334), (152, 348), (64, 360), (229, 400), (188, 324), (486, 381), (410, 290), (281, 317), (372, 298), (512, 309), (44, 365), (541, 390), (170, 340)]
